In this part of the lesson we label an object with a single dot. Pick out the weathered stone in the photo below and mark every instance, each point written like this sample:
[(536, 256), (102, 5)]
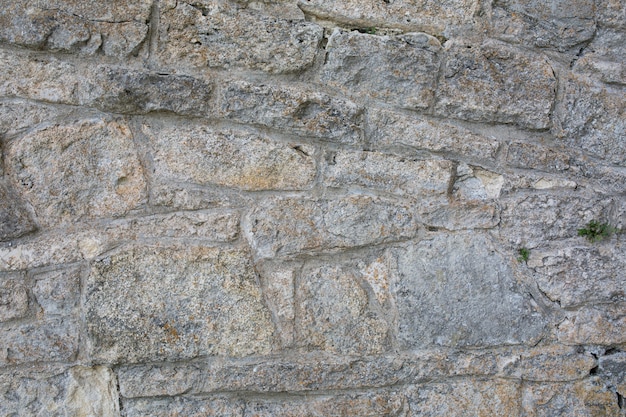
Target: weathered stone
[(51, 169), (387, 128), (612, 367), (577, 275), (192, 197), (401, 70), (126, 91), (290, 226), (232, 158), (55, 391), (13, 296), (495, 82), (383, 404), (153, 302), (447, 18), (465, 398), (45, 340), (301, 110), (611, 13), (473, 183), (538, 157), (15, 219), (584, 398), (605, 57), (17, 116), (592, 117), (184, 406), (488, 306), (57, 292), (48, 249), (552, 363), (215, 34), (459, 214), (555, 24), (532, 220), (394, 174), (117, 29), (337, 310), (598, 325)]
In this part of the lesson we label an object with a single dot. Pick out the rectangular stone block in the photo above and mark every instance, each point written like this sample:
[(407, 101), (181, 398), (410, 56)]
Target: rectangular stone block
[(49, 249), (496, 83), (395, 174), (216, 34), (184, 406), (57, 291), (457, 290), (50, 169), (282, 227), (301, 110), (401, 70), (175, 302), (465, 398), (598, 325), (13, 296), (117, 28), (387, 128), (234, 158), (16, 116)]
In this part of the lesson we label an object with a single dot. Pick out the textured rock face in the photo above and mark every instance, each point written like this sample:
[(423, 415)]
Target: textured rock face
[(312, 208)]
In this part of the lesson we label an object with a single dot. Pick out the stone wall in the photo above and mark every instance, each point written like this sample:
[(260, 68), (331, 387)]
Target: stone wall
[(312, 208)]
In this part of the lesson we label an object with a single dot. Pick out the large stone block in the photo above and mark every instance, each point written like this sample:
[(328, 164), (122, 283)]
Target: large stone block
[(559, 24), (457, 290), (292, 108), (341, 307), (214, 34), (494, 82), (15, 219), (117, 28), (605, 57), (240, 159), (16, 116), (445, 18), (401, 70), (395, 174), (592, 117), (465, 398), (184, 406), (291, 225), (176, 302), (13, 296), (387, 129), (79, 170), (57, 291), (612, 367), (598, 325)]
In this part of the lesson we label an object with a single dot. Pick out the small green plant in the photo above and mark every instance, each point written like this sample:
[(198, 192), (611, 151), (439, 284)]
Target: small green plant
[(372, 30), (596, 231), (524, 254)]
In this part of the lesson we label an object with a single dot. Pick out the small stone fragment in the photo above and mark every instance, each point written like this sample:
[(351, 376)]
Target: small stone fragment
[(13, 296), (15, 219)]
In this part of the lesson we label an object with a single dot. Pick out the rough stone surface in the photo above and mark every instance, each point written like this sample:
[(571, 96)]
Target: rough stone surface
[(151, 303), (184, 406), (212, 34), (13, 296), (599, 325), (56, 291), (290, 226), (457, 290), (15, 219), (401, 70), (80, 170), (605, 57), (231, 158), (494, 82)]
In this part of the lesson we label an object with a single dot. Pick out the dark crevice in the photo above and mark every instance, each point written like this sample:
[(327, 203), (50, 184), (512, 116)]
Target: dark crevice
[(594, 370), (620, 400)]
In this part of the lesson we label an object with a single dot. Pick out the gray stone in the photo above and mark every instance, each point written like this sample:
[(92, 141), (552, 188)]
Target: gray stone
[(16, 116), (577, 275), (457, 290), (465, 398), (51, 248), (459, 214), (605, 57), (86, 27), (337, 309), (56, 391), (298, 109), (15, 219), (288, 226), (57, 291), (175, 302), (46, 340), (559, 24), (132, 92), (401, 70), (498, 83), (445, 18), (598, 325), (473, 183), (13, 296), (611, 13), (240, 159), (49, 168), (214, 34), (387, 128), (394, 174), (540, 158), (592, 117), (183, 406), (612, 366), (588, 397), (550, 363)]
